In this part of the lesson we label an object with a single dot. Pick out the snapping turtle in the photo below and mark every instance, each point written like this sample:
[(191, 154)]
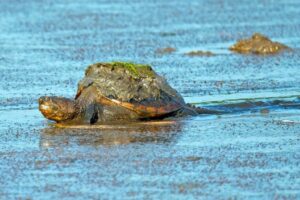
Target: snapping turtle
[(258, 44), (117, 91)]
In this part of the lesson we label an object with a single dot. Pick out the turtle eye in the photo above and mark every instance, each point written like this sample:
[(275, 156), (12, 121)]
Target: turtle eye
[(43, 99)]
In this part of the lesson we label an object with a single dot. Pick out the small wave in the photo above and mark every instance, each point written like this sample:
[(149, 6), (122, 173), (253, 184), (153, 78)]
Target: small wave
[(262, 104)]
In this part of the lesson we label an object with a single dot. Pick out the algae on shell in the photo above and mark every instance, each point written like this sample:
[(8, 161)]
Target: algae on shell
[(127, 82)]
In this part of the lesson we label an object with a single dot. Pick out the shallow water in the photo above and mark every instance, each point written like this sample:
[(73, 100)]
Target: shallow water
[(45, 48)]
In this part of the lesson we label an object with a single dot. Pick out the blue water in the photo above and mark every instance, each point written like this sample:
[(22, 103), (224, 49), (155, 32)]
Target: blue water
[(45, 48)]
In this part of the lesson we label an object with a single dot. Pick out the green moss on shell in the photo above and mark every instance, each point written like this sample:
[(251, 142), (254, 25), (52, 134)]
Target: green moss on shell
[(136, 70)]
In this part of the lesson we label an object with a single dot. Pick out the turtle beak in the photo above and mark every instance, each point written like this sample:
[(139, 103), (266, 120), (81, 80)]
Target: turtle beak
[(43, 104)]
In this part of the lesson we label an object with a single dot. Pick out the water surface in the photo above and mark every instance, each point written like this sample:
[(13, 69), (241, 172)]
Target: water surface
[(45, 48)]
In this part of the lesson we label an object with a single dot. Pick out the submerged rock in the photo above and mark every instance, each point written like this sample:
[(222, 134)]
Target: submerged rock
[(199, 53), (258, 44)]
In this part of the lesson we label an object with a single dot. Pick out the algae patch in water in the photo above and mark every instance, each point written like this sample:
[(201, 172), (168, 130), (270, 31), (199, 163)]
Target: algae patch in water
[(199, 53), (166, 50)]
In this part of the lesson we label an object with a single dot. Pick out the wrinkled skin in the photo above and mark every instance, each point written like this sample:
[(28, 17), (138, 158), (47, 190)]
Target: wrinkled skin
[(112, 92), (258, 44)]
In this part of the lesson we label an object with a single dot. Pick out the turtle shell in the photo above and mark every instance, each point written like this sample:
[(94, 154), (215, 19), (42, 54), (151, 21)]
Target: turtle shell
[(133, 86)]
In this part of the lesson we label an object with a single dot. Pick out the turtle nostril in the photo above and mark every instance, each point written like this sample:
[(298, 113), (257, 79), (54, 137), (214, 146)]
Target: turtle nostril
[(41, 100)]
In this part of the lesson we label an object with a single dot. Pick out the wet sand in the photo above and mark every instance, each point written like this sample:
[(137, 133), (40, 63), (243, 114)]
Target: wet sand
[(45, 48)]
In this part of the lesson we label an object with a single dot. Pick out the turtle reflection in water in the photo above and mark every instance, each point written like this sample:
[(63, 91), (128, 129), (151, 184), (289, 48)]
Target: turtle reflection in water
[(118, 91), (136, 132)]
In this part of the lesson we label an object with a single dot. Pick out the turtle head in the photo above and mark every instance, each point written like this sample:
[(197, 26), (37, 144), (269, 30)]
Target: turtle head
[(57, 108)]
